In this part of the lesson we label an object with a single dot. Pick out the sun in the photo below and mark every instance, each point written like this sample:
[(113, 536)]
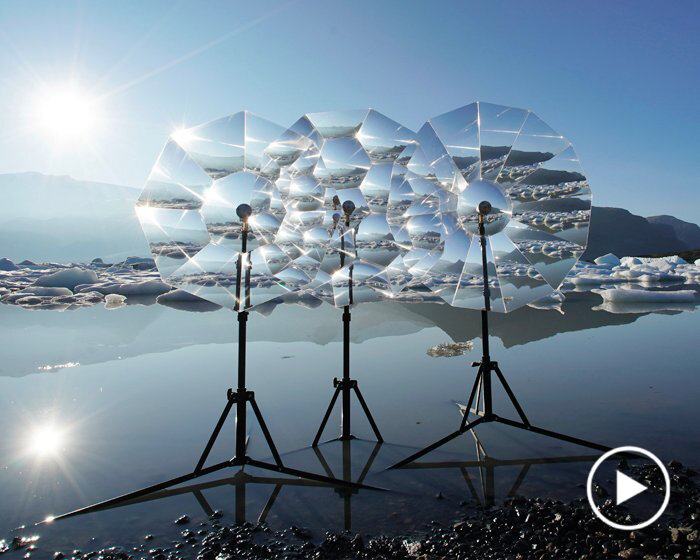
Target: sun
[(65, 113), (45, 440)]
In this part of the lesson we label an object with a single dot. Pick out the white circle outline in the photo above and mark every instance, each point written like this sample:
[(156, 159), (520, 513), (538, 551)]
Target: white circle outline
[(628, 449)]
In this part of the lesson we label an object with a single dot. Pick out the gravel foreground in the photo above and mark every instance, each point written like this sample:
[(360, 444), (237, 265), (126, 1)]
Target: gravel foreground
[(520, 529)]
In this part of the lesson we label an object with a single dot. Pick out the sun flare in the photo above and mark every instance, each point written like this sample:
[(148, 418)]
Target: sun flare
[(65, 113), (46, 440)]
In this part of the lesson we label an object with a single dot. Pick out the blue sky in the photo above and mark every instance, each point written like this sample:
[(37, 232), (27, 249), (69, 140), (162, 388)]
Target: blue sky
[(619, 79)]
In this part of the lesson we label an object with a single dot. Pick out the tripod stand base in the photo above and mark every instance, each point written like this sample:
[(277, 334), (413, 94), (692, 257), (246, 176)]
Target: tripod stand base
[(343, 387), (483, 383), (240, 398)]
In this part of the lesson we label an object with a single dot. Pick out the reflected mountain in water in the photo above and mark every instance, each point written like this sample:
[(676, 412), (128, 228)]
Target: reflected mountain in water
[(95, 335)]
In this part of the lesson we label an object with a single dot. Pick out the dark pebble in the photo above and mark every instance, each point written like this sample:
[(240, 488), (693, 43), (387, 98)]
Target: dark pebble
[(182, 520)]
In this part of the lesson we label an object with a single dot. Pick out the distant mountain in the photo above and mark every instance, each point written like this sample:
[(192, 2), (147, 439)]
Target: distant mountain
[(57, 218), (618, 231), (685, 231)]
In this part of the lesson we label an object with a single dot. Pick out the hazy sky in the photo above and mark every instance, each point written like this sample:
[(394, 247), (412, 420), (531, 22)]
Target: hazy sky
[(619, 79)]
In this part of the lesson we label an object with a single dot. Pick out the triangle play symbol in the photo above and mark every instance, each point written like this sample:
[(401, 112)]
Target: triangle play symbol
[(627, 488)]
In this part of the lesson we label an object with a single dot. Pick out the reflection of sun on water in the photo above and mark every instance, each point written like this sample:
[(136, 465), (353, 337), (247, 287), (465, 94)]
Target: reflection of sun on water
[(46, 440)]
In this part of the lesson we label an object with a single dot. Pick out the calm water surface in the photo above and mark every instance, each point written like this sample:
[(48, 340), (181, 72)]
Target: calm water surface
[(94, 403)]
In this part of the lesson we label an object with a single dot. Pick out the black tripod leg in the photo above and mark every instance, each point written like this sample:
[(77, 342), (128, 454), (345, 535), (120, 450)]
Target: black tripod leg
[(518, 481), (511, 395), (203, 503), (437, 444), (307, 475), (477, 384), (555, 435), (470, 485), (326, 417), (370, 462), (368, 414), (144, 491), (266, 432), (324, 463), (215, 434), (268, 505)]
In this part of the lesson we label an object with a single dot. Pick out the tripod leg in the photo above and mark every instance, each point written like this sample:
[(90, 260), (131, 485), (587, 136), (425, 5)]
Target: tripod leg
[(368, 414), (215, 434), (511, 395), (144, 491), (270, 501), (470, 485), (518, 481), (477, 383), (555, 435), (370, 461), (326, 417), (437, 444), (324, 463), (307, 475), (266, 432), (203, 503)]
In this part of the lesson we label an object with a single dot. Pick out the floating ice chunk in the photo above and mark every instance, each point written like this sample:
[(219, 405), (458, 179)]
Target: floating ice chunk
[(41, 291), (551, 301), (624, 308), (630, 261), (608, 259), (450, 349), (646, 296), (595, 279), (660, 277), (145, 288), (7, 264), (67, 278), (114, 301)]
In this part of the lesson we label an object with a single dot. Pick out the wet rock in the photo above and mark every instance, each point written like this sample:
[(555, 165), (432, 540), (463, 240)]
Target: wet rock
[(631, 553), (182, 520)]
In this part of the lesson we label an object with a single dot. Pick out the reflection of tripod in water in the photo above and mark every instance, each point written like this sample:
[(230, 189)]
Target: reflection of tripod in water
[(240, 398), (239, 481), (483, 382), (344, 386), (348, 492), (487, 466)]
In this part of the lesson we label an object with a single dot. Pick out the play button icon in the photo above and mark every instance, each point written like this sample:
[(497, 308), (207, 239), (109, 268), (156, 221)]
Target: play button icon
[(639, 482), (627, 488)]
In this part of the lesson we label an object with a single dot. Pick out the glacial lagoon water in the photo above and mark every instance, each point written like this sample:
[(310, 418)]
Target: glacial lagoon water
[(95, 403)]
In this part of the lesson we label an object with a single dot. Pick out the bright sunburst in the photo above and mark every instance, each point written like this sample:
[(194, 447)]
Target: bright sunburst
[(46, 440), (65, 113)]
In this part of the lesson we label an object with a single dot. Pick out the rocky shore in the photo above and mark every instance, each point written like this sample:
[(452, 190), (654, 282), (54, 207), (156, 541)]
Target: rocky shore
[(520, 529)]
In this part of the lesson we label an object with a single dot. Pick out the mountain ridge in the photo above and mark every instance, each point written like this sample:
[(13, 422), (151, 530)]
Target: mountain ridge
[(55, 227)]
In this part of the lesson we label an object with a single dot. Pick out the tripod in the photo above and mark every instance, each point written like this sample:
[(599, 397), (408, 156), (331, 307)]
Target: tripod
[(345, 385), (347, 493), (241, 397), (483, 382)]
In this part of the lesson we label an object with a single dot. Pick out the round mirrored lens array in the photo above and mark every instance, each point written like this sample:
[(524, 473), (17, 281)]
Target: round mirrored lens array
[(353, 207)]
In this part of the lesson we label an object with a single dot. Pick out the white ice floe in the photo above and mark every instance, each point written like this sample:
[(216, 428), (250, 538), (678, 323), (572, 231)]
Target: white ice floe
[(646, 296), (114, 301), (608, 259), (67, 278), (552, 301), (144, 288)]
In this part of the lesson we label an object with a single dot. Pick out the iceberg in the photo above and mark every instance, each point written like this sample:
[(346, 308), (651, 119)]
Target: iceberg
[(646, 296)]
